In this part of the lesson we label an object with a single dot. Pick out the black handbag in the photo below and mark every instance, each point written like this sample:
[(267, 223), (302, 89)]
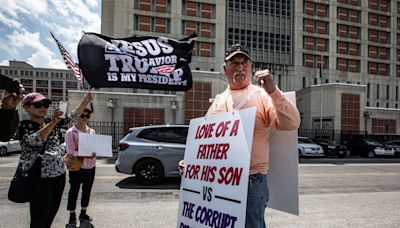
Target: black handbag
[(26, 188)]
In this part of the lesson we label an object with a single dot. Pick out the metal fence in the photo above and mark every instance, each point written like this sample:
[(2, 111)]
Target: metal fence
[(115, 129), (119, 129), (343, 136)]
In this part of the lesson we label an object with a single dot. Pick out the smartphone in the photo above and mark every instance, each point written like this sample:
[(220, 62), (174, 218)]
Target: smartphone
[(8, 84), (62, 105)]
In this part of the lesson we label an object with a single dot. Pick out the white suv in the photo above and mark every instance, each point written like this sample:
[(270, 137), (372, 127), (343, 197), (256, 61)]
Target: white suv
[(152, 152), (10, 146), (307, 147)]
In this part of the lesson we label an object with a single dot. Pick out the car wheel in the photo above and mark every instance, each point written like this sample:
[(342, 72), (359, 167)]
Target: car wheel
[(149, 171), (371, 154), (3, 151), (300, 154)]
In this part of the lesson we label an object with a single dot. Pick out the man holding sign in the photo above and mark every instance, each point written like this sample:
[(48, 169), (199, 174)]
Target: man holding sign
[(273, 110)]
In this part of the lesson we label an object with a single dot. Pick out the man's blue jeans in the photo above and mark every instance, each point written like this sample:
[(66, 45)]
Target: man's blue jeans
[(257, 198)]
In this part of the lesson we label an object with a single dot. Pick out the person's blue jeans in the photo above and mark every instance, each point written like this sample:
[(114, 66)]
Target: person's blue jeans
[(257, 198)]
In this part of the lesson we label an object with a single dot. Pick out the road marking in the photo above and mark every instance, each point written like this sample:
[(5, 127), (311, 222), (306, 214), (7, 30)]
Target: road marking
[(15, 164), (347, 174), (96, 177), (349, 164)]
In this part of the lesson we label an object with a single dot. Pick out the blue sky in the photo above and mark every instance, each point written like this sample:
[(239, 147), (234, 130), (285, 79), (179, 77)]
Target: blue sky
[(25, 27)]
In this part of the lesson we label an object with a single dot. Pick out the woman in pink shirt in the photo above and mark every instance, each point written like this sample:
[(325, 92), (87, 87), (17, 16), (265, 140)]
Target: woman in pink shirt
[(85, 175)]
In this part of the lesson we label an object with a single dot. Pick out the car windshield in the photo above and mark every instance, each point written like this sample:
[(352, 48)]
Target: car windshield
[(327, 141), (374, 143), (392, 144), (305, 140)]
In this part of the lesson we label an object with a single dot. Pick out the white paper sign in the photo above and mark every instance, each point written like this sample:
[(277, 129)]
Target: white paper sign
[(283, 178), (99, 144), (214, 184)]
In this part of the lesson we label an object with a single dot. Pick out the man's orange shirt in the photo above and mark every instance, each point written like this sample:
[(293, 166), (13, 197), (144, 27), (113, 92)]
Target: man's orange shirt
[(273, 110)]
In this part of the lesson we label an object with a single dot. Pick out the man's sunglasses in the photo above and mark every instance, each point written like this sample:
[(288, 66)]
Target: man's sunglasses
[(41, 104), (83, 116)]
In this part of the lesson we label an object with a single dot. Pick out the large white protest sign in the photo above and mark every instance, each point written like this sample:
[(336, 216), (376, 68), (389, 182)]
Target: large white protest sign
[(94, 143), (283, 169), (214, 184)]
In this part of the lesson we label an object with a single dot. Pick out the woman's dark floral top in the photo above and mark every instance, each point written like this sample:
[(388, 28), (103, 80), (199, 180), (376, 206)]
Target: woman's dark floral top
[(32, 144)]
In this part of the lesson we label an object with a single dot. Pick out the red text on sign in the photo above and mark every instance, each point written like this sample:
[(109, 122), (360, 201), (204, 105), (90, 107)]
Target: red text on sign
[(192, 171), (212, 151), (208, 173), (230, 175), (205, 131)]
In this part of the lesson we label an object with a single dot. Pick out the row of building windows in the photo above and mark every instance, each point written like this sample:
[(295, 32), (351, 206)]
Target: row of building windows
[(30, 73), (161, 6), (45, 83), (345, 64), (200, 28), (152, 24), (382, 5), (189, 8), (163, 25), (273, 8), (350, 2), (197, 9), (204, 49), (378, 95), (345, 14), (260, 40)]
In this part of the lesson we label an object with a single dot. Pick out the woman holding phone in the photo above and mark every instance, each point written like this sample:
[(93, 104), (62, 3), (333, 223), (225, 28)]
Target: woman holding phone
[(39, 135)]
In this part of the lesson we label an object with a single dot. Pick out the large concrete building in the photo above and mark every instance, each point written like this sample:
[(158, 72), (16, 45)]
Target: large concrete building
[(342, 57), (53, 83), (347, 63)]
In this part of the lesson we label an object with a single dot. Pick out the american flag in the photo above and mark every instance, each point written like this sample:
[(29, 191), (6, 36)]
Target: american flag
[(68, 60), (166, 68)]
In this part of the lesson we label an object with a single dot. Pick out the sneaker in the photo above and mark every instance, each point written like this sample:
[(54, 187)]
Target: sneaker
[(85, 217), (71, 223)]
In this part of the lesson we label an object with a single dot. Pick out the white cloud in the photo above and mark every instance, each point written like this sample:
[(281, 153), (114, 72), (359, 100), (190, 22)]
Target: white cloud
[(9, 22), (12, 8), (36, 8), (41, 59), (92, 3), (25, 26), (25, 39), (4, 63), (27, 7)]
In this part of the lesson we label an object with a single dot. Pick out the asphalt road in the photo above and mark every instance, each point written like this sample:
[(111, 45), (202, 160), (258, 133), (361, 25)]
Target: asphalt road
[(344, 193)]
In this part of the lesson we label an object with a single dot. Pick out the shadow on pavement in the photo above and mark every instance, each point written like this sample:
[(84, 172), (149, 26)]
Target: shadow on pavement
[(132, 183)]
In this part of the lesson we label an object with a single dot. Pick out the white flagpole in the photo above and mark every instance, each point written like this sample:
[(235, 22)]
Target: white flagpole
[(320, 111)]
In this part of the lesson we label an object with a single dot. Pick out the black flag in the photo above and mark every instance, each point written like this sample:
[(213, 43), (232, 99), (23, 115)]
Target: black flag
[(147, 62)]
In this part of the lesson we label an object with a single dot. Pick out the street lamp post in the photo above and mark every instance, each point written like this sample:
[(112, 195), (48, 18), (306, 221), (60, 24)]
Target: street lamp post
[(367, 115), (174, 108), (320, 111), (111, 105)]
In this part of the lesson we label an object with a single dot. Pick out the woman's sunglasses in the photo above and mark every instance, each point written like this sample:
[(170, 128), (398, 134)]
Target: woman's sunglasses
[(83, 116), (41, 104)]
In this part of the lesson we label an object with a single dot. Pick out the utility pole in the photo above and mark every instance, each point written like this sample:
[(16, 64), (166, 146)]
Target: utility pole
[(320, 85)]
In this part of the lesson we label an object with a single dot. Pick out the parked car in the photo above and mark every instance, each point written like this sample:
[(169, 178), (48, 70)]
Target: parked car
[(9, 147), (395, 147), (307, 147), (152, 152), (368, 148), (397, 142), (332, 148)]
